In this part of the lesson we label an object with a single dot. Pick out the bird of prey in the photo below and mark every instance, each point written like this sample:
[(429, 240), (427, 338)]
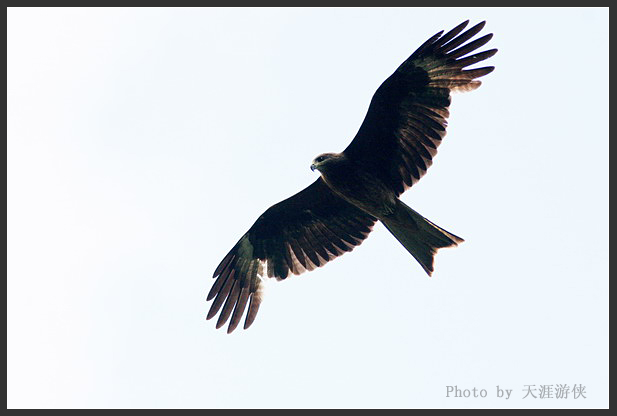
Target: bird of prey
[(395, 145)]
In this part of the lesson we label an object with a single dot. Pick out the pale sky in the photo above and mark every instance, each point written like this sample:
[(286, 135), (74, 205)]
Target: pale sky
[(142, 144)]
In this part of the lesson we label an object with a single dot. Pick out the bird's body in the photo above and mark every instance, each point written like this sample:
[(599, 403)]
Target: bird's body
[(392, 150), (368, 192), (355, 185)]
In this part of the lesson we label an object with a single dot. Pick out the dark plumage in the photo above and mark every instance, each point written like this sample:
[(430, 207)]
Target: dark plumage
[(393, 149)]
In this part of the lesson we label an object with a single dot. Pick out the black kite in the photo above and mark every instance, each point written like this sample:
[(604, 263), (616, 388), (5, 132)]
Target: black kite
[(394, 147)]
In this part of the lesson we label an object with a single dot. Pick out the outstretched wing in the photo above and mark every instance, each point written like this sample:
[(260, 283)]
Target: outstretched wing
[(298, 234), (407, 116)]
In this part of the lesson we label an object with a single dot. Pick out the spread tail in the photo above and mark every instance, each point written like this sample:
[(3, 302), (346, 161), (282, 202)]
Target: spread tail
[(418, 235)]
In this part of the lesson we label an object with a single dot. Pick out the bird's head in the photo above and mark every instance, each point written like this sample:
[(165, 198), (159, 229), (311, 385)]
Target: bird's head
[(322, 161)]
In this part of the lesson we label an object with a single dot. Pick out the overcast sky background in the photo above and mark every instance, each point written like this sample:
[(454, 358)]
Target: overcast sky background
[(142, 143)]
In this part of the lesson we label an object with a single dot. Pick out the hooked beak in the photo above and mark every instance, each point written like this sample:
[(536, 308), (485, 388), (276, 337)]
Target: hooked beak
[(313, 167)]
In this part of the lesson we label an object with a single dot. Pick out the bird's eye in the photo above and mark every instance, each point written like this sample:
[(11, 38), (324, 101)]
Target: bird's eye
[(319, 159)]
